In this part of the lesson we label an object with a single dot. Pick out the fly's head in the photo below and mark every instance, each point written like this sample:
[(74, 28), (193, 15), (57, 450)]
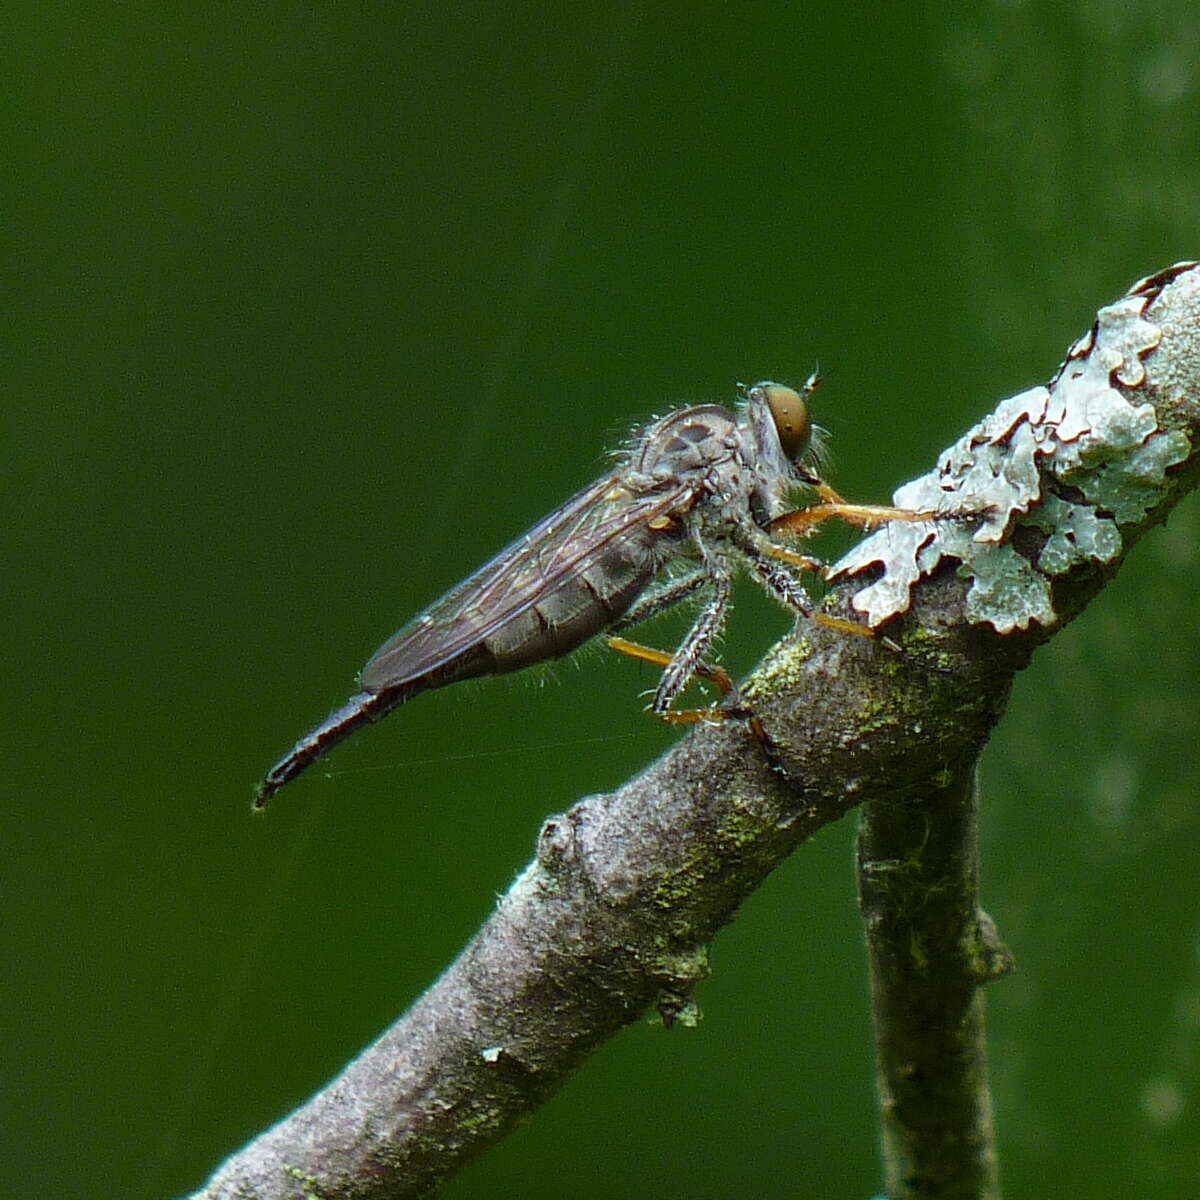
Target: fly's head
[(784, 445)]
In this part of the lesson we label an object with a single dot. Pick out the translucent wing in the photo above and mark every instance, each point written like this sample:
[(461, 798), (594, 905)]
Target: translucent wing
[(560, 546)]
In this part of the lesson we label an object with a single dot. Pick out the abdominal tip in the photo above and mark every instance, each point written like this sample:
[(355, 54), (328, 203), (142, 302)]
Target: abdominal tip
[(275, 778), (264, 793)]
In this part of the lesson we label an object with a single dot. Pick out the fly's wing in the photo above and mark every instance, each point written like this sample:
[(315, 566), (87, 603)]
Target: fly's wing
[(559, 546)]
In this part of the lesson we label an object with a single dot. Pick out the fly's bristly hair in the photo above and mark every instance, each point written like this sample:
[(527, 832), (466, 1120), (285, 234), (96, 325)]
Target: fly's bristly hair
[(819, 455), (631, 437)]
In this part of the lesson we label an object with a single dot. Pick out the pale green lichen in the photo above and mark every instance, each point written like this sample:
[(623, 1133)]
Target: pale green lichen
[(1130, 485), (740, 828), (783, 666), (1077, 535), (687, 966), (1076, 460), (1005, 590), (688, 1015), (309, 1182)]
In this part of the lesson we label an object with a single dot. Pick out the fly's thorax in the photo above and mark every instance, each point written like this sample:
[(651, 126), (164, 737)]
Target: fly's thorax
[(700, 452), (686, 444)]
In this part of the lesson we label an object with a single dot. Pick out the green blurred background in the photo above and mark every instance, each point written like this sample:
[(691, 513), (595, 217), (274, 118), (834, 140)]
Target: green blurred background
[(313, 307)]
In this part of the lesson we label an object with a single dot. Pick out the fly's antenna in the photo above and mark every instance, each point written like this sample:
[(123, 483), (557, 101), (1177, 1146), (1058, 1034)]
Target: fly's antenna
[(818, 458)]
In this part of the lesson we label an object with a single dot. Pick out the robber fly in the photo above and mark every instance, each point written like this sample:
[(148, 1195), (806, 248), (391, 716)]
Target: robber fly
[(704, 489)]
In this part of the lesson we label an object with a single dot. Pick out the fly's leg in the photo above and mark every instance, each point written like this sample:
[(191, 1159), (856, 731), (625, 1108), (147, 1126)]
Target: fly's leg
[(671, 593), (678, 668), (765, 556), (732, 707), (686, 660), (804, 520), (717, 676), (782, 585)]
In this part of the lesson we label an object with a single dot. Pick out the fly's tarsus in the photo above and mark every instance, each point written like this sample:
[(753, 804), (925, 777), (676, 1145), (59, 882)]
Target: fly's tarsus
[(731, 708), (842, 625)]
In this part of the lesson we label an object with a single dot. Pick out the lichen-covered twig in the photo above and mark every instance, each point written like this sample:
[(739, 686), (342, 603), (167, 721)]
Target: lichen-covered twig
[(1083, 460), (617, 909)]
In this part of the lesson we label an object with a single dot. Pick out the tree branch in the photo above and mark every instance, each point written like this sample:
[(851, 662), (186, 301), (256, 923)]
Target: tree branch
[(627, 889), (930, 948)]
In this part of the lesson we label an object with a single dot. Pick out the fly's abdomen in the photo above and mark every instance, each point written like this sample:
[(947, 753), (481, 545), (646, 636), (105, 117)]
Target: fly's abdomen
[(579, 607)]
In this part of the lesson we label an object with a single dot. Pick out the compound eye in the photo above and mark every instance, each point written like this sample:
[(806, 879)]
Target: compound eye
[(790, 414)]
